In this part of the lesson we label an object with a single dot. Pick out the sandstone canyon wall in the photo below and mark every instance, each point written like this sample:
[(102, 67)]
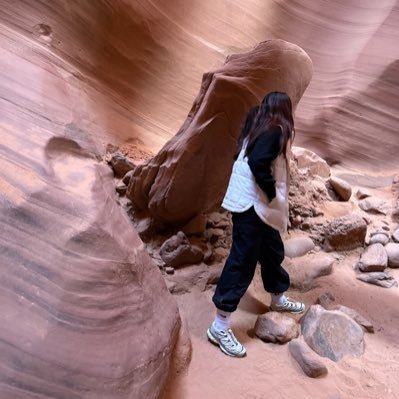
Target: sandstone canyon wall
[(79, 317), (143, 61)]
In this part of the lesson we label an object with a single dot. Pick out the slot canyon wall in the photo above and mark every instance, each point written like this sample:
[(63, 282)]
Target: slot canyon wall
[(76, 75), (144, 61)]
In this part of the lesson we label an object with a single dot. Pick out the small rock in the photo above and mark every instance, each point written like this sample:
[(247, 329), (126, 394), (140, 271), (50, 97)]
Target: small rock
[(382, 279), (120, 164), (331, 333), (362, 194), (276, 327), (373, 259), (326, 300), (214, 218), (352, 313), (221, 254), (341, 187), (345, 233), (305, 270), (295, 247), (121, 189), (177, 251), (213, 234), (310, 362), (373, 205), (218, 219), (395, 235), (307, 159), (169, 270), (296, 221), (128, 175), (379, 238), (392, 250)]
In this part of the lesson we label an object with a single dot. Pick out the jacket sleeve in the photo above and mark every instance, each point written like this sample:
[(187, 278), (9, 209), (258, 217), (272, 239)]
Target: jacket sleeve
[(265, 151)]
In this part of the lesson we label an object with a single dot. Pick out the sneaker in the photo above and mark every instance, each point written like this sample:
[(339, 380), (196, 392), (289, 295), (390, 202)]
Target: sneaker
[(226, 341), (289, 306)]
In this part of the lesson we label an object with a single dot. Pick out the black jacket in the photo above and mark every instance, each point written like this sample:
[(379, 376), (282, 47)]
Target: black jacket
[(265, 151)]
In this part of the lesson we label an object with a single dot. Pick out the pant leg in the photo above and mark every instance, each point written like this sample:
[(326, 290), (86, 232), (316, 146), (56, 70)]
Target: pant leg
[(275, 278), (240, 265)]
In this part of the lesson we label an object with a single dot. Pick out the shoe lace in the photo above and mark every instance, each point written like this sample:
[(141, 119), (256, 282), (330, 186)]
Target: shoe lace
[(229, 340)]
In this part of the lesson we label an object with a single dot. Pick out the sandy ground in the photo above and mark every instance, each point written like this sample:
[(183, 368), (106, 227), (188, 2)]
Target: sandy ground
[(269, 371)]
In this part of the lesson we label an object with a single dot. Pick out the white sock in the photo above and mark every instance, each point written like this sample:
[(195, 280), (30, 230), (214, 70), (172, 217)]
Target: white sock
[(222, 320), (278, 299)]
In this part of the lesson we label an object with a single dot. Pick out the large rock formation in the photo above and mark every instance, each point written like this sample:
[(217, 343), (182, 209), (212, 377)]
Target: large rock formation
[(190, 174), (143, 60), (79, 318)]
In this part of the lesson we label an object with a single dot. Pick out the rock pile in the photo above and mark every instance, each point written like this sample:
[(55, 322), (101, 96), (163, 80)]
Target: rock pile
[(308, 189), (193, 255), (382, 253), (207, 237), (310, 339), (341, 187)]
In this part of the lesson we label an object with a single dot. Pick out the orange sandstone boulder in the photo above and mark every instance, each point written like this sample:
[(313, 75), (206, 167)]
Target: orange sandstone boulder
[(190, 173)]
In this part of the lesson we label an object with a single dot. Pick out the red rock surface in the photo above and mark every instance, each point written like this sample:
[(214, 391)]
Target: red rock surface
[(141, 63), (191, 172), (78, 313), (78, 317)]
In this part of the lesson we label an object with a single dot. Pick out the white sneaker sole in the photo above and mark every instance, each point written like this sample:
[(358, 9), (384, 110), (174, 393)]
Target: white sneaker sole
[(285, 310), (214, 341)]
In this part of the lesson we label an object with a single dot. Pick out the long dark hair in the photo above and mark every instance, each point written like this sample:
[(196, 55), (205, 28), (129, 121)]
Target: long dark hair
[(246, 128), (274, 110)]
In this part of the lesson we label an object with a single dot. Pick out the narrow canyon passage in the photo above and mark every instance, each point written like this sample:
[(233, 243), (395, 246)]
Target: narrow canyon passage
[(92, 304)]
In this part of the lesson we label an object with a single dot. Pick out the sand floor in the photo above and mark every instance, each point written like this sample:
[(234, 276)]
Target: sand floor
[(268, 370)]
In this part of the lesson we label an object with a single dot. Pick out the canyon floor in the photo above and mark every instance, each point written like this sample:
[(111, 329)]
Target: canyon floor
[(268, 370)]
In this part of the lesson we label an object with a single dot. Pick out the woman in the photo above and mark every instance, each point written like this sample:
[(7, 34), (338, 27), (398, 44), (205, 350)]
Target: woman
[(257, 196)]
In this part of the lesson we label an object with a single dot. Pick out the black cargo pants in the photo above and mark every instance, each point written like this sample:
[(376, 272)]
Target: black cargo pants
[(253, 241)]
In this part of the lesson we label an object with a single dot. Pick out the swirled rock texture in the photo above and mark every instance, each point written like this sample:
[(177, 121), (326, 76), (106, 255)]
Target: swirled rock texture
[(190, 173), (145, 60), (78, 314), (79, 317)]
